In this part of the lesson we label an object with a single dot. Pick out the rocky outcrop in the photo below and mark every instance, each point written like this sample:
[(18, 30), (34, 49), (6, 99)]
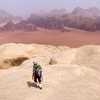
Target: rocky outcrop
[(52, 61), (7, 17), (10, 26), (78, 22), (15, 54), (85, 19), (90, 12), (22, 25)]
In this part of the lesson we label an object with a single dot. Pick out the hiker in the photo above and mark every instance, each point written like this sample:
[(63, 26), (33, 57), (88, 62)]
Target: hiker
[(37, 74)]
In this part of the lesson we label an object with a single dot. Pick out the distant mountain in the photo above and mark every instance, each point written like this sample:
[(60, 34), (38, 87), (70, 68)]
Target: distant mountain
[(80, 19), (90, 12), (22, 25), (78, 11), (85, 19), (5, 14), (58, 12), (53, 13), (6, 17), (95, 12)]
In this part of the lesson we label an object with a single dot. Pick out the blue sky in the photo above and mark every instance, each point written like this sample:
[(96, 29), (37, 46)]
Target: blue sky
[(26, 7)]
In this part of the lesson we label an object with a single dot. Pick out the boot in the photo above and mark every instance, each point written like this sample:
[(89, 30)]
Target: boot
[(40, 86)]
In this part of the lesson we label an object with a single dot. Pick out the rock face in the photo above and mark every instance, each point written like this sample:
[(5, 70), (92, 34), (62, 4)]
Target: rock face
[(78, 11), (6, 17), (90, 12), (58, 12), (8, 27), (85, 19), (52, 61), (22, 25), (59, 23), (75, 76)]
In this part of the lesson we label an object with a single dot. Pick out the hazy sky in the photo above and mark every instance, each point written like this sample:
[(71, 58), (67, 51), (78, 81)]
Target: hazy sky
[(26, 7)]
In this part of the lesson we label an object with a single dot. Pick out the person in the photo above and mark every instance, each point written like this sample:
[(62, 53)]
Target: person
[(37, 75)]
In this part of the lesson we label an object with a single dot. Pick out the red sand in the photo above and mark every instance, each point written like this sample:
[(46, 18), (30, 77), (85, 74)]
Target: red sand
[(75, 38)]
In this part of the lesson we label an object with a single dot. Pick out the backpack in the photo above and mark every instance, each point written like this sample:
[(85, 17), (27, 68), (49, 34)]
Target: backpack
[(38, 72)]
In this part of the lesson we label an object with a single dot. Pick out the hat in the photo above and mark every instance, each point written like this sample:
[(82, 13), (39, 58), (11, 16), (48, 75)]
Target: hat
[(34, 62)]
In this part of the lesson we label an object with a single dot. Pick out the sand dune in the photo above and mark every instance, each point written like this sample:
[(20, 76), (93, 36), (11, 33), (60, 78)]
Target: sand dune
[(76, 76)]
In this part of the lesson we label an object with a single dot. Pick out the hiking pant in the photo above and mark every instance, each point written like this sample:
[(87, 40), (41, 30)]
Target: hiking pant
[(37, 79)]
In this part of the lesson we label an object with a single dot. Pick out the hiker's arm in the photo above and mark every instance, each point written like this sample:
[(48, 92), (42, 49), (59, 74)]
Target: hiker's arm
[(33, 73), (41, 74)]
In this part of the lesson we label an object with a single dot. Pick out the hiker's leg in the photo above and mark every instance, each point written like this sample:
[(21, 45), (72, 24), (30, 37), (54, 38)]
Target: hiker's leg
[(35, 80), (40, 84), (37, 83)]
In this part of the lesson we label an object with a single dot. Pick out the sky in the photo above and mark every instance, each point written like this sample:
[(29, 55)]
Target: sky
[(27, 7)]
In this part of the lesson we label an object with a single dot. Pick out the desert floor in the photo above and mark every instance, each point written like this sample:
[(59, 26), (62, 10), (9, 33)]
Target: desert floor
[(74, 38)]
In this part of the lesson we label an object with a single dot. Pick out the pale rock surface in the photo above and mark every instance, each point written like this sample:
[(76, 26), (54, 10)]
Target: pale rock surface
[(76, 76)]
